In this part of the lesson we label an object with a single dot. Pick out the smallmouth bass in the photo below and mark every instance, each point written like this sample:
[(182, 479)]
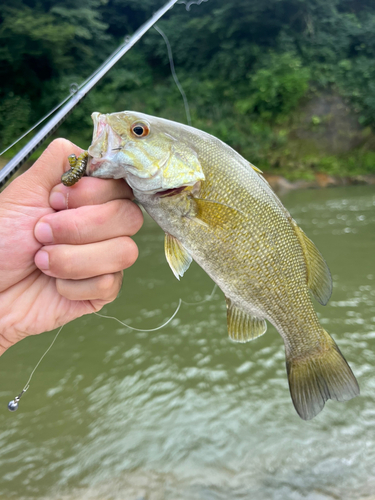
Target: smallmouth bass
[(216, 208)]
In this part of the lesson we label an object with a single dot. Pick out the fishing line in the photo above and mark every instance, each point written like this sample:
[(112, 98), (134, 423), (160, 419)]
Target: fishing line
[(39, 122), (138, 329), (192, 2), (180, 301), (55, 121), (13, 405), (74, 88), (207, 299), (173, 71)]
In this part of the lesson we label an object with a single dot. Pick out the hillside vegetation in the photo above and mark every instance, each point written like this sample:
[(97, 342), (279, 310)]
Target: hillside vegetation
[(290, 84)]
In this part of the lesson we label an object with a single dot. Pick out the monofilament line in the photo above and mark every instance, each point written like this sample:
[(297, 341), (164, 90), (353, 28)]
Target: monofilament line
[(207, 299), (176, 80), (41, 359), (138, 329), (180, 301), (37, 124), (13, 405), (55, 121), (72, 92), (193, 2)]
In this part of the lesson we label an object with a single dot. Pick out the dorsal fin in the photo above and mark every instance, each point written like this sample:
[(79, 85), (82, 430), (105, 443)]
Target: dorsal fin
[(319, 278), (258, 170), (242, 326)]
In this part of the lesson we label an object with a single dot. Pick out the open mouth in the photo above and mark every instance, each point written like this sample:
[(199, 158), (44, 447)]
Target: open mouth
[(170, 192)]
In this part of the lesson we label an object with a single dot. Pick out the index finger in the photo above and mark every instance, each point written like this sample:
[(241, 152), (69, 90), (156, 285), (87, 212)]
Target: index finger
[(89, 191)]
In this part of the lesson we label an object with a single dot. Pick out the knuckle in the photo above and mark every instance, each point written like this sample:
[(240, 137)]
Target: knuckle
[(62, 263), (74, 230), (65, 229), (114, 286), (62, 288), (106, 284), (132, 217), (90, 191), (87, 192), (129, 253)]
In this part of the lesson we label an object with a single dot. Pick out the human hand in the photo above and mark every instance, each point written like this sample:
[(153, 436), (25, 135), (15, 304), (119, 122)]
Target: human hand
[(49, 277)]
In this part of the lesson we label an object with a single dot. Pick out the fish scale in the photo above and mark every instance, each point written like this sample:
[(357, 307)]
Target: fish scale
[(216, 208), (263, 223)]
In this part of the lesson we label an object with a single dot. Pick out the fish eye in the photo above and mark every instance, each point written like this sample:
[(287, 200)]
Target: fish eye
[(140, 129)]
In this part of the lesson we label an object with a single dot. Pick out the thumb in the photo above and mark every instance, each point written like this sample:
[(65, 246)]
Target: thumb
[(48, 169)]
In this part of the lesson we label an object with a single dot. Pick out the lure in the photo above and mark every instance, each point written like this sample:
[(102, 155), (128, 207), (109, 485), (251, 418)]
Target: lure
[(77, 169)]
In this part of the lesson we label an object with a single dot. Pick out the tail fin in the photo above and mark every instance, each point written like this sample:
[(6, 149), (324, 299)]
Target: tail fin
[(323, 374)]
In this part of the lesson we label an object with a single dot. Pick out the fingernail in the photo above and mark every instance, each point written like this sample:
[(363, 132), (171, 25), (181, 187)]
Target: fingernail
[(43, 233), (57, 201), (42, 260)]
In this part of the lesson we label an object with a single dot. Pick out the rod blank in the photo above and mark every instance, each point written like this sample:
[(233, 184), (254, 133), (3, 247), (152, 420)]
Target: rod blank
[(19, 159)]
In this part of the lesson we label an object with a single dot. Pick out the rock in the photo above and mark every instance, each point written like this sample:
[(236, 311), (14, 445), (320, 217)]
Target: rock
[(330, 124), (325, 180), (278, 183)]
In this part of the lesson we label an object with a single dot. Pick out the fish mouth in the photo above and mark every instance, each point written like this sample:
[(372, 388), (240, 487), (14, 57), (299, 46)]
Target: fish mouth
[(170, 192)]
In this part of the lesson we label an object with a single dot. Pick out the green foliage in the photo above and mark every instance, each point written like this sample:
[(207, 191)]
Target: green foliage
[(40, 43), (247, 67), (15, 114), (276, 84)]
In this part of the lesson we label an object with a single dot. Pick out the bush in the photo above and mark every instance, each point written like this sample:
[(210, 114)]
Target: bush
[(276, 84)]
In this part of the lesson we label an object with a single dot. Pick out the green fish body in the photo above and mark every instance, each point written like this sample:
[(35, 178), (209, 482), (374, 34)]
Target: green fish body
[(216, 208)]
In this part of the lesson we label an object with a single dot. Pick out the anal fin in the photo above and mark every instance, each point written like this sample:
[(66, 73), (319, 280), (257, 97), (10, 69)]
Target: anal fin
[(319, 278), (177, 256), (242, 326)]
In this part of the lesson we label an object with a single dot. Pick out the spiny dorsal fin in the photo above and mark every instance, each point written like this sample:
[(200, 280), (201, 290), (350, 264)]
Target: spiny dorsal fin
[(177, 256), (242, 326), (258, 170), (319, 278), (321, 374)]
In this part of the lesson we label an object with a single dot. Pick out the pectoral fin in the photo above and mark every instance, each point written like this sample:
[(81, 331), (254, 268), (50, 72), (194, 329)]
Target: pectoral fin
[(216, 214), (243, 327), (177, 256), (319, 278)]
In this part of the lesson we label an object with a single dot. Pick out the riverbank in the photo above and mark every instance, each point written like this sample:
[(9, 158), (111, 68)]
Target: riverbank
[(281, 185)]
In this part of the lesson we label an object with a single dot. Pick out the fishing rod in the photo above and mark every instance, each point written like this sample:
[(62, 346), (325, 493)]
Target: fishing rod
[(19, 159)]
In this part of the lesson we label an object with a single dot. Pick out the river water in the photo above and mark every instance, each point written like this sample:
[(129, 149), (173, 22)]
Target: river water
[(183, 413)]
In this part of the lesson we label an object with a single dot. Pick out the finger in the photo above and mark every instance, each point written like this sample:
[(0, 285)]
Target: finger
[(104, 287), (86, 261), (89, 191), (90, 224)]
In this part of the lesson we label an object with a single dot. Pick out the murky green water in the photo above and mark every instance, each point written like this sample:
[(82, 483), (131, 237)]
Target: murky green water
[(184, 413)]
